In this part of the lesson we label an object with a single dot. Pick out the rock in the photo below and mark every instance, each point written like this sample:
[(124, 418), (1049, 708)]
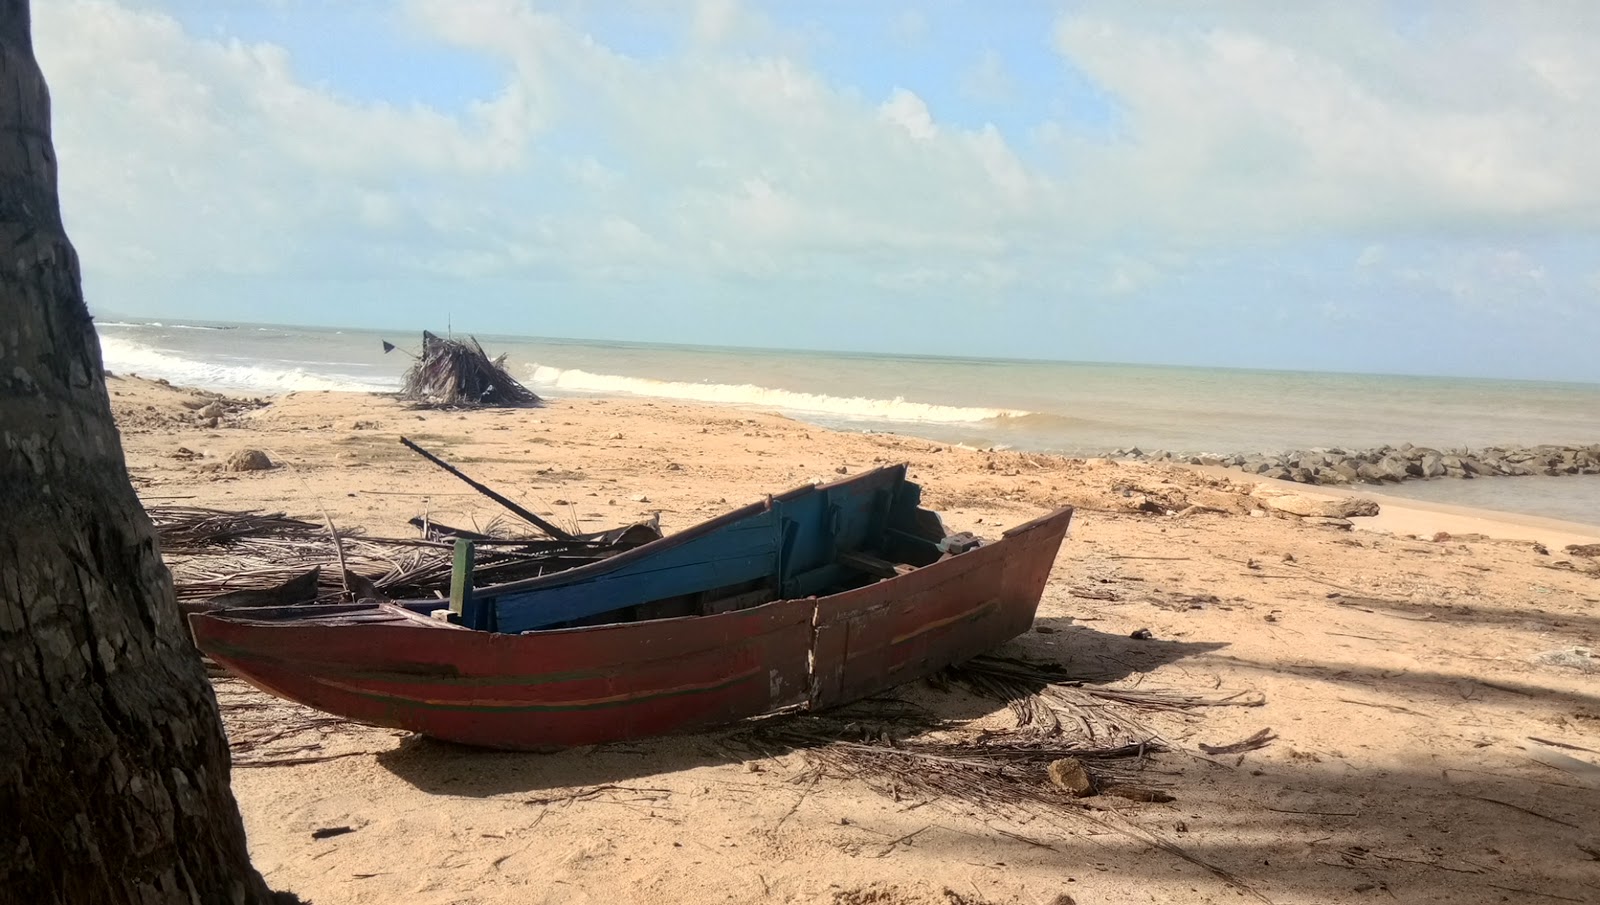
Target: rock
[(1312, 507), (1371, 473), (1142, 634), (1357, 507), (1329, 522), (1346, 470), (841, 470), (1278, 473), (1589, 550), (249, 460), (1433, 466), (1395, 469), (1303, 475), (639, 498), (1069, 775)]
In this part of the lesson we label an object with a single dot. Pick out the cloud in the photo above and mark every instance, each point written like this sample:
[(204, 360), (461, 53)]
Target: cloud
[(906, 110), (1272, 123), (1237, 136)]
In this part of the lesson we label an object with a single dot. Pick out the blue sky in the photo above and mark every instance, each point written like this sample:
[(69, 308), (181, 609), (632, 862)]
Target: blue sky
[(1380, 186)]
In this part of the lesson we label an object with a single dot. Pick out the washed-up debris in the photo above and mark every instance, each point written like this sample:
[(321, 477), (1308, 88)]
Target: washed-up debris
[(450, 373), (1027, 775), (280, 561), (521, 512), (220, 558), (1070, 775), (249, 460), (1582, 659), (1060, 717), (1255, 742), (192, 529)]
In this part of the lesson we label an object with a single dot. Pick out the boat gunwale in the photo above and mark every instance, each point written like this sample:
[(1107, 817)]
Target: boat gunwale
[(241, 615), (672, 541)]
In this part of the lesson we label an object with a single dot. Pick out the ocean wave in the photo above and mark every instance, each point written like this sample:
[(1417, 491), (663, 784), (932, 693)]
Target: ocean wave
[(161, 325), (123, 356), (856, 408)]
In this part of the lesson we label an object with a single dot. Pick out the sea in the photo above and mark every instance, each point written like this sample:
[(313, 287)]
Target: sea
[(1070, 408)]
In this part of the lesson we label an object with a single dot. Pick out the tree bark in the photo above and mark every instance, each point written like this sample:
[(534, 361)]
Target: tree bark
[(113, 763)]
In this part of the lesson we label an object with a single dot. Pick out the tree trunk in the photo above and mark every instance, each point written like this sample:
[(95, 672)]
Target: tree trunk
[(113, 764)]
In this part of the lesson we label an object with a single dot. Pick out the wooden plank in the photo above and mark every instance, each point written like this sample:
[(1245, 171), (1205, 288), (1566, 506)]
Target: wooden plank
[(733, 554), (526, 516), (536, 609), (461, 578), (872, 565)]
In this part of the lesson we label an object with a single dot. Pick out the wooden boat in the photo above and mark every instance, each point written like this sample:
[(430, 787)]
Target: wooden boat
[(815, 598)]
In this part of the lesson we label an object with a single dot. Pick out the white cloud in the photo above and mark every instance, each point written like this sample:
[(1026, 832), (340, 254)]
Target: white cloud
[(906, 110), (1272, 122), (184, 154)]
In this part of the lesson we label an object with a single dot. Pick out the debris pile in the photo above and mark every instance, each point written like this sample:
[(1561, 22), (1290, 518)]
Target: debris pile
[(450, 373), (221, 558), (1063, 725)]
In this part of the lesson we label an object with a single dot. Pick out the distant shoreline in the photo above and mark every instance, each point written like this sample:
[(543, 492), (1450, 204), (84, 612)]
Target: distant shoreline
[(1514, 504)]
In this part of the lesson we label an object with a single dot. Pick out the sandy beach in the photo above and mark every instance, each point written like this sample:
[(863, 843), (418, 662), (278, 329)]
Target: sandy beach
[(1436, 717)]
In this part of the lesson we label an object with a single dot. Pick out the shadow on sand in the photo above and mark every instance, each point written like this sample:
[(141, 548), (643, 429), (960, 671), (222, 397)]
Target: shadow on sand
[(1293, 826)]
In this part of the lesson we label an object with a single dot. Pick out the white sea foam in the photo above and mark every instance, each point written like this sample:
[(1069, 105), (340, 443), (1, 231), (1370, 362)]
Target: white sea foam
[(159, 324), (123, 356), (855, 408)]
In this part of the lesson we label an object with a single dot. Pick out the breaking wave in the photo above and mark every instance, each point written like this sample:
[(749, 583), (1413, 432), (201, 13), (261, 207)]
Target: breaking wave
[(122, 356), (856, 408)]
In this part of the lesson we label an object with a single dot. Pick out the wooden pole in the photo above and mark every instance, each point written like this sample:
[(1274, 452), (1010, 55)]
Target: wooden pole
[(522, 513)]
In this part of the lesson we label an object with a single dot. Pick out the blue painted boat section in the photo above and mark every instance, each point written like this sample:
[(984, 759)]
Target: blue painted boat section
[(791, 543), (741, 552)]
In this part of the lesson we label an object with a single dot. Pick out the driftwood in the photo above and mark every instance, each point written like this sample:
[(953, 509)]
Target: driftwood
[(519, 511), (291, 592)]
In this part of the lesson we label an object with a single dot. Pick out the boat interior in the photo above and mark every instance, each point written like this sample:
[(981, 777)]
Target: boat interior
[(812, 541), (816, 540)]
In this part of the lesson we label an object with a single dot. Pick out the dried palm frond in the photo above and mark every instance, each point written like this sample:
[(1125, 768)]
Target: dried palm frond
[(452, 373)]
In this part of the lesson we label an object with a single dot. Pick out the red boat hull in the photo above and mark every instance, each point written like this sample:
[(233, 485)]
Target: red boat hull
[(581, 686)]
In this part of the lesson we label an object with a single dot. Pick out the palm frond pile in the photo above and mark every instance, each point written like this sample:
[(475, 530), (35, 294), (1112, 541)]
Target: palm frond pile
[(453, 373)]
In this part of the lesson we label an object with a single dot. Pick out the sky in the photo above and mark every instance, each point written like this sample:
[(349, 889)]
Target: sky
[(1399, 187)]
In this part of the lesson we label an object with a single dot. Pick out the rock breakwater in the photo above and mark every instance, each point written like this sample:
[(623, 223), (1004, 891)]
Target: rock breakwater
[(1393, 464)]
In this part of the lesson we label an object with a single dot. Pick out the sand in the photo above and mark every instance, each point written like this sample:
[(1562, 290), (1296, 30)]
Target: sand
[(1402, 676)]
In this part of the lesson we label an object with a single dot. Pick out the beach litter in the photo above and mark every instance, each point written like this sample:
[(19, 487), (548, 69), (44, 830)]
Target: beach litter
[(1582, 659), (451, 374)]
